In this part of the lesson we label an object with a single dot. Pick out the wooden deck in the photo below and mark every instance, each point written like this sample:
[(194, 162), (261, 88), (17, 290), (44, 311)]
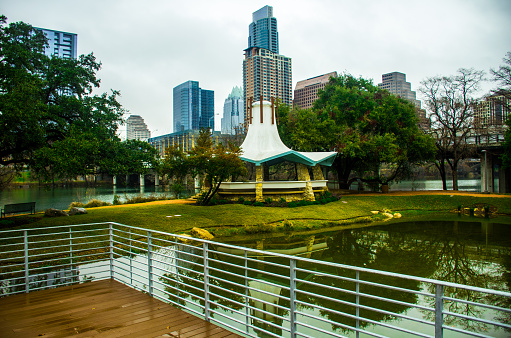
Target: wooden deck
[(104, 308)]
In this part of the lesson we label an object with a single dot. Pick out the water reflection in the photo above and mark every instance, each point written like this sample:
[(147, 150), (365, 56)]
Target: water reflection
[(471, 253)]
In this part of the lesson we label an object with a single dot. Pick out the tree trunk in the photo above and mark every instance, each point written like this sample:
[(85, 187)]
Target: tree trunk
[(343, 168), (454, 169), (440, 165)]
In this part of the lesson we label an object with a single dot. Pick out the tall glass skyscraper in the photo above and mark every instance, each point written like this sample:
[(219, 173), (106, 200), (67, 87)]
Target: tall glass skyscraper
[(266, 73), (60, 44), (234, 116), (263, 30), (194, 107)]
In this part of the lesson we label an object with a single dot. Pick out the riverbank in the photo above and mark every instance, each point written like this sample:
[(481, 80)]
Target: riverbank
[(180, 216)]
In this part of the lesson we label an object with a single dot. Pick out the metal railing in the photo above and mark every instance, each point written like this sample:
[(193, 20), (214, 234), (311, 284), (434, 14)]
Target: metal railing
[(251, 292)]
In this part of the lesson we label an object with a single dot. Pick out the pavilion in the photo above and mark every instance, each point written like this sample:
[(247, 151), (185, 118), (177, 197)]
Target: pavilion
[(263, 147)]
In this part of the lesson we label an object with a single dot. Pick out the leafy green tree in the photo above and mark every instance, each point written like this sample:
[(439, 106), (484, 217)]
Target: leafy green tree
[(367, 126), (175, 166), (216, 163), (47, 108)]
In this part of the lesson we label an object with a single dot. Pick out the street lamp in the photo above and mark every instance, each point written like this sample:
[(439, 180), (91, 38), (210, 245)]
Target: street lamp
[(485, 172)]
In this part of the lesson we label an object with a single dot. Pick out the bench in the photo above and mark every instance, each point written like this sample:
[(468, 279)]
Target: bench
[(17, 208)]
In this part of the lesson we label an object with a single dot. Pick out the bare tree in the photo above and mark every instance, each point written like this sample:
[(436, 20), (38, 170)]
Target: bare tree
[(450, 101)]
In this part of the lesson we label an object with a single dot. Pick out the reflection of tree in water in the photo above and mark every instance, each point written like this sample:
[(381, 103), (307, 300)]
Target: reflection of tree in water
[(371, 250), (456, 263), (438, 251), (188, 282)]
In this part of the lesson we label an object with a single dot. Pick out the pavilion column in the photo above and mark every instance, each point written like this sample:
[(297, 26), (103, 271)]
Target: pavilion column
[(142, 182), (115, 180), (156, 179), (259, 183), (317, 172), (303, 175)]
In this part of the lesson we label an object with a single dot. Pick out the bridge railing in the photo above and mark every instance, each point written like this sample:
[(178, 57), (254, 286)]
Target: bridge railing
[(249, 291)]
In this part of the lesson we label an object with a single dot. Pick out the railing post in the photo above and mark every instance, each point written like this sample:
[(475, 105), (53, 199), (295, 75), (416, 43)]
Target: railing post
[(206, 281), (357, 310), (149, 263), (292, 297), (439, 309), (25, 248), (111, 244), (247, 310), (131, 260), (71, 247)]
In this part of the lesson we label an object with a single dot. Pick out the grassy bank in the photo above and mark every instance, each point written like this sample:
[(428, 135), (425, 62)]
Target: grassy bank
[(170, 216)]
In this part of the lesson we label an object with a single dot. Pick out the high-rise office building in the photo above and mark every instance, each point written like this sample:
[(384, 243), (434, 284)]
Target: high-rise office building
[(61, 44), (234, 116), (306, 91), (194, 107), (263, 30), (395, 83), (136, 129), (266, 73), (492, 111)]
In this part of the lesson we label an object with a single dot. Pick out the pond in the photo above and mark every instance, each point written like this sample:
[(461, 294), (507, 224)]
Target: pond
[(62, 197), (466, 251)]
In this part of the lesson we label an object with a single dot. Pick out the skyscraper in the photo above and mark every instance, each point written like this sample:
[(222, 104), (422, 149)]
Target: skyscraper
[(493, 111), (234, 116), (266, 73), (136, 129), (306, 91), (194, 107), (263, 30), (396, 84), (60, 44)]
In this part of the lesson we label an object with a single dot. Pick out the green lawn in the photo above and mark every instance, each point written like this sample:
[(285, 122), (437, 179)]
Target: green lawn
[(154, 215)]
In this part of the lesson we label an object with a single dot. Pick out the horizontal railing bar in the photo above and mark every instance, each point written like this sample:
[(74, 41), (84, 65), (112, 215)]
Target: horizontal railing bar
[(335, 334), (369, 308), (476, 319), (466, 332), (377, 323), (487, 306)]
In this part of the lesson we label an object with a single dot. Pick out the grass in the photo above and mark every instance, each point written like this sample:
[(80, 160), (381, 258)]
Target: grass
[(222, 219)]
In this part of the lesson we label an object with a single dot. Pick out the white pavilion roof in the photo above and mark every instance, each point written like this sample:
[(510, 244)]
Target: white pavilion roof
[(263, 144)]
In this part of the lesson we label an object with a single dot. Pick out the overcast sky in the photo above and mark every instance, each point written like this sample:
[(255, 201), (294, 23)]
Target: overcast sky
[(148, 47)]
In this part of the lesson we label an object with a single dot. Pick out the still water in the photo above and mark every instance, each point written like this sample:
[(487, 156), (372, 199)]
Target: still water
[(467, 251), (61, 197)]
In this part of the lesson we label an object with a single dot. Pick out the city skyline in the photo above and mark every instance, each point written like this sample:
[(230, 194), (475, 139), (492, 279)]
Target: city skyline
[(147, 49)]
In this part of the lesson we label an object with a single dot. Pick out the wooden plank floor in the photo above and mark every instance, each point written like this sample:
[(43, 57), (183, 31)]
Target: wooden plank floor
[(104, 309)]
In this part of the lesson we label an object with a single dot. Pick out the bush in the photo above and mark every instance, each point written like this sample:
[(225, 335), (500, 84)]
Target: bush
[(117, 200), (292, 204), (94, 203), (258, 204), (241, 200), (268, 200), (76, 205), (247, 203)]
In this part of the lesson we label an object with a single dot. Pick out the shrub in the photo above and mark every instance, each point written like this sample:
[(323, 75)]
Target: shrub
[(247, 203), (268, 200), (258, 204), (292, 204), (241, 200), (76, 205), (94, 203), (117, 200)]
